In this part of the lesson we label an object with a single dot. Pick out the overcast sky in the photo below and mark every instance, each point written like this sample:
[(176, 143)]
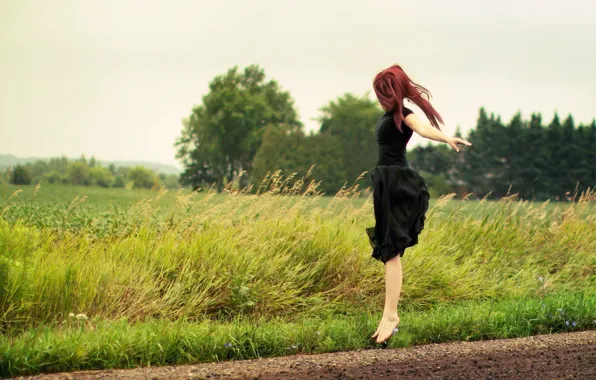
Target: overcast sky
[(114, 78)]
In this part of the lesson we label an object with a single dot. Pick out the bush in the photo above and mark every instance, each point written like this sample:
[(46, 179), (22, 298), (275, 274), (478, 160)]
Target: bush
[(21, 176), (142, 178), (119, 182), (101, 177), (53, 178)]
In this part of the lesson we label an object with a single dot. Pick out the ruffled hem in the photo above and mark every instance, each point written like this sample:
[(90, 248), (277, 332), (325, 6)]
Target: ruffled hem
[(400, 200)]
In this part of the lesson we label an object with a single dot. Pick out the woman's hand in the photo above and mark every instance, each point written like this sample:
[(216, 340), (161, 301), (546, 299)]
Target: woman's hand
[(427, 131), (454, 141)]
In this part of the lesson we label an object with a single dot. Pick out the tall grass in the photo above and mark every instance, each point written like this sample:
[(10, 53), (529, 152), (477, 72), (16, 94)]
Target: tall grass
[(284, 254)]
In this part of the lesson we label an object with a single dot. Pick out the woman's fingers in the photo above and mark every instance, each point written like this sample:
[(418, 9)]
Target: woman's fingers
[(464, 142), (454, 141)]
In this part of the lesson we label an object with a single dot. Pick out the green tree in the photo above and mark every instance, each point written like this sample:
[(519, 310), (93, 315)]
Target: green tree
[(112, 169), (221, 136), (101, 176), (58, 164), (534, 156), (324, 151), (352, 119), (93, 162), (432, 159), (438, 162), (587, 150), (53, 177), (142, 177), (281, 149), (119, 182), (553, 166), (437, 185), (482, 169), (294, 152), (21, 176), (78, 174), (537, 162)]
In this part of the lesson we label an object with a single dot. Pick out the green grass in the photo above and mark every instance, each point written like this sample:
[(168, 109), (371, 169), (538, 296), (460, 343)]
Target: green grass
[(270, 256), (80, 344), (103, 211), (155, 270)]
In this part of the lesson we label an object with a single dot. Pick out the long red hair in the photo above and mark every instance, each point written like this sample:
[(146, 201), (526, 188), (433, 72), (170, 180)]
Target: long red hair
[(393, 85)]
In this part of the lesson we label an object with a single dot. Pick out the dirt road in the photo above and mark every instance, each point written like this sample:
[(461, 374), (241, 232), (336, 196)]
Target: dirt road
[(559, 356)]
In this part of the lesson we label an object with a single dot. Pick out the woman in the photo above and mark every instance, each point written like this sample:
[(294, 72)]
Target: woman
[(400, 195)]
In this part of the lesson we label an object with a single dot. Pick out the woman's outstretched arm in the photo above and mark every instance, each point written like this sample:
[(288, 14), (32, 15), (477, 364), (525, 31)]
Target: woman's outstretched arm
[(426, 130)]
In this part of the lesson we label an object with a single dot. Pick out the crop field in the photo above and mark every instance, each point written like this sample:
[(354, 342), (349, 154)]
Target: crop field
[(104, 278)]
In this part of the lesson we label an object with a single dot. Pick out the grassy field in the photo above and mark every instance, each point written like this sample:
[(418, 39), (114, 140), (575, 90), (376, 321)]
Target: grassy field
[(127, 277)]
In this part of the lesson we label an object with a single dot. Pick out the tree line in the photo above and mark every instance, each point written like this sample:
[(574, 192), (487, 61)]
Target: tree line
[(536, 160), (248, 124), (86, 172)]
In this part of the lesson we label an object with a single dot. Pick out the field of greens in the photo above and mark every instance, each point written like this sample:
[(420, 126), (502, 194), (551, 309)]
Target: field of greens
[(104, 278)]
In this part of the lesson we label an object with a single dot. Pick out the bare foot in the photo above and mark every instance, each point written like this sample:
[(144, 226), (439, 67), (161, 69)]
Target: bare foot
[(386, 326)]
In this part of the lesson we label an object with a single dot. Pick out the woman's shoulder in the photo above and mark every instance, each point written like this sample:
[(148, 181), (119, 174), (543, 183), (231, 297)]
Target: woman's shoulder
[(406, 111)]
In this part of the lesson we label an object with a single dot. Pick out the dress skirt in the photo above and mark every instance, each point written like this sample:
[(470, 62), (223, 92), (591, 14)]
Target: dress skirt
[(400, 199)]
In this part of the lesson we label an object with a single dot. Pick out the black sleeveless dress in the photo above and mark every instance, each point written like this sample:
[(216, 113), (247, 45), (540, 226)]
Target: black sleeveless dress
[(400, 195)]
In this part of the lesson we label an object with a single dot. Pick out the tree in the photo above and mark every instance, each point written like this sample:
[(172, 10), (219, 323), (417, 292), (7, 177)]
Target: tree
[(279, 150), (21, 176), (101, 176), (142, 177), (53, 177), (353, 119), (119, 182), (112, 169), (482, 168), (221, 136), (78, 174), (433, 159), (325, 152), (294, 152), (437, 186), (553, 165)]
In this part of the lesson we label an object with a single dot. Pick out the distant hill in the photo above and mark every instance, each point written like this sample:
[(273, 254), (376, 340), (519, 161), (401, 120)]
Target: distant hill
[(10, 160), (7, 160)]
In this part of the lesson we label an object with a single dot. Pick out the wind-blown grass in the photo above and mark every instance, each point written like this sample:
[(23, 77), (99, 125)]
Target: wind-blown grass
[(272, 255), (283, 257)]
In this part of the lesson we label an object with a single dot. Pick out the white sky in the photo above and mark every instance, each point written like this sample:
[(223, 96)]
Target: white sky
[(114, 78)]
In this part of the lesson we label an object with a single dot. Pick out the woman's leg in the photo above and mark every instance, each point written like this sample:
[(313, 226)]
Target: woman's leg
[(393, 282)]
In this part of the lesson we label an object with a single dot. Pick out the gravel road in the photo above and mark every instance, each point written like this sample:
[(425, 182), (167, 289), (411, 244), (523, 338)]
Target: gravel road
[(557, 356)]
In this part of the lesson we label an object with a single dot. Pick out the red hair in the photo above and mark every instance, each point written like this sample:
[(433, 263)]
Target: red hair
[(393, 85)]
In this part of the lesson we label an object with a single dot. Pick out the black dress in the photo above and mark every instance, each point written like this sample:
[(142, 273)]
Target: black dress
[(400, 195)]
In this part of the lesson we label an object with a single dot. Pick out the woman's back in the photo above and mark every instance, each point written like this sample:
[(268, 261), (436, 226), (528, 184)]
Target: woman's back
[(391, 142)]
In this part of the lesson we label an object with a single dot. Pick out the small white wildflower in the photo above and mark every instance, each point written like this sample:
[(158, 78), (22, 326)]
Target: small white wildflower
[(80, 317), (71, 315), (541, 279)]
